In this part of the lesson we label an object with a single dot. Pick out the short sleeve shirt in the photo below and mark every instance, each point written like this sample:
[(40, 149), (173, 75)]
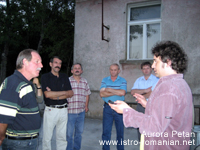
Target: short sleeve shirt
[(142, 83), (18, 106), (55, 83), (119, 83), (78, 100)]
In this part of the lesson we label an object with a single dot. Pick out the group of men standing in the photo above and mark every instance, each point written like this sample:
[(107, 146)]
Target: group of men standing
[(167, 102), (114, 88), (66, 100)]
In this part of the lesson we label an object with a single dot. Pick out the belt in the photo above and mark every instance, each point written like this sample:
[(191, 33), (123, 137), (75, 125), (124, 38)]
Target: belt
[(57, 106), (21, 138), (106, 103)]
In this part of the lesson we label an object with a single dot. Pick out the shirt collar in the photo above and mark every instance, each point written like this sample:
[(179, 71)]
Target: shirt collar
[(74, 79), (54, 75), (17, 73), (173, 76), (115, 80), (150, 77)]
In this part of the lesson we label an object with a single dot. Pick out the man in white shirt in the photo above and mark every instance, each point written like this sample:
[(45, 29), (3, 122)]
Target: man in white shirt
[(144, 85)]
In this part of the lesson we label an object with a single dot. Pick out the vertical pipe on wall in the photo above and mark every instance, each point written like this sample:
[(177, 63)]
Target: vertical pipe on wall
[(103, 26)]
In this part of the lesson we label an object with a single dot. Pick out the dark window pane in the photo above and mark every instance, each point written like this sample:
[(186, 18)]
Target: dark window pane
[(135, 42), (142, 13), (153, 36)]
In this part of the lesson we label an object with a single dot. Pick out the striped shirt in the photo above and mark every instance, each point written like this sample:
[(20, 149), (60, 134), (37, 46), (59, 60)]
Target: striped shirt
[(81, 90), (119, 83), (18, 106)]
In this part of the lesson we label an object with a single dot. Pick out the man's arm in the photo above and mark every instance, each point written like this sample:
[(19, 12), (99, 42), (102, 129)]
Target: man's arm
[(147, 95), (3, 128), (37, 83), (86, 103), (38, 90), (106, 92), (156, 122), (69, 93), (119, 106), (141, 91), (141, 99), (56, 95)]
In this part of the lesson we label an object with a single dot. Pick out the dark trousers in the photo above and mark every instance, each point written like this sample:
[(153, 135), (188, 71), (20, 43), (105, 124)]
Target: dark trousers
[(108, 116), (139, 108), (9, 144)]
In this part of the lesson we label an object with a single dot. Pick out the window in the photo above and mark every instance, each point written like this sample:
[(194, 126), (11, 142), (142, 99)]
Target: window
[(143, 29)]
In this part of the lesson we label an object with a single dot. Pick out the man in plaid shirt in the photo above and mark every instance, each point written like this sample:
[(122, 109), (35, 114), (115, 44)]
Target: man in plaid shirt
[(78, 105)]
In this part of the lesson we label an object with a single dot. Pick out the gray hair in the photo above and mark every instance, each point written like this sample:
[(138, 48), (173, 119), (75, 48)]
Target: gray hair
[(115, 64), (24, 54)]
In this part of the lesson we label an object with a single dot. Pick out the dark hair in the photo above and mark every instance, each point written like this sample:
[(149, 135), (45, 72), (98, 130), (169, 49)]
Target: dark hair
[(146, 64), (24, 54), (76, 64), (169, 50), (51, 60)]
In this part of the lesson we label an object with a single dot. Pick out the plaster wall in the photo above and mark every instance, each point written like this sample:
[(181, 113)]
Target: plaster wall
[(180, 23)]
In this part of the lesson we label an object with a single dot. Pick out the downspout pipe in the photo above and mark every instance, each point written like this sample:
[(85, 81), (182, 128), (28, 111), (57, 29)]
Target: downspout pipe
[(103, 26)]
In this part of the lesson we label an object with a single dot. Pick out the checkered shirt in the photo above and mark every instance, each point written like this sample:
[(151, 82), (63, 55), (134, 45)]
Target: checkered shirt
[(81, 90)]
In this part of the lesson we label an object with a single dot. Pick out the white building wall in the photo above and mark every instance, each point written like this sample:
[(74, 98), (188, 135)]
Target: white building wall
[(180, 23)]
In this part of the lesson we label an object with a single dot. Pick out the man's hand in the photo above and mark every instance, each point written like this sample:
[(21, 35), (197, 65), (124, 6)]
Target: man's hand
[(106, 92), (118, 106), (57, 95), (87, 103), (86, 109), (103, 89), (3, 128), (48, 89), (148, 90), (140, 99), (36, 81), (141, 91)]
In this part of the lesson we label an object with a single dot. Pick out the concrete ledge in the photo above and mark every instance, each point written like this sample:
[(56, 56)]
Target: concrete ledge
[(135, 62)]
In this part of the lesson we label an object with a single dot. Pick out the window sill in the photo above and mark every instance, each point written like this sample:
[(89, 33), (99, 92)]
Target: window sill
[(135, 62)]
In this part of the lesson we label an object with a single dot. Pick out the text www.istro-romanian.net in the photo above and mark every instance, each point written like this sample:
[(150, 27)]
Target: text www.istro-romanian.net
[(115, 142)]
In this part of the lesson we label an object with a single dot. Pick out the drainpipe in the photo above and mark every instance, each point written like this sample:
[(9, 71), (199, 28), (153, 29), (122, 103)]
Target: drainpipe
[(103, 26)]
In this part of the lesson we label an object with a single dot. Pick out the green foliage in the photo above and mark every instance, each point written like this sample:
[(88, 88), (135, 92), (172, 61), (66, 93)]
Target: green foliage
[(44, 25)]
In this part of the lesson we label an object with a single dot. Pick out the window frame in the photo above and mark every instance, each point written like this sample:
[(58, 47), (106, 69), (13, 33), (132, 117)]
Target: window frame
[(144, 23)]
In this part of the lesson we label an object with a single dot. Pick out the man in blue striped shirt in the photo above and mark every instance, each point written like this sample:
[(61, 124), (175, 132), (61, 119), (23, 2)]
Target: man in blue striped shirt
[(113, 88)]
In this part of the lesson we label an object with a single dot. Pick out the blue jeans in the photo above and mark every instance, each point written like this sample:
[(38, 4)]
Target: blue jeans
[(75, 127), (108, 116), (9, 144)]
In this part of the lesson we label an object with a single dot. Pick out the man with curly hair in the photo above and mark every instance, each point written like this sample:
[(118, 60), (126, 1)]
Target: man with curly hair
[(167, 121)]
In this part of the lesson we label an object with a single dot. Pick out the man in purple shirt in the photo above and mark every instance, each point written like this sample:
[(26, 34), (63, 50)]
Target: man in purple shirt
[(167, 121)]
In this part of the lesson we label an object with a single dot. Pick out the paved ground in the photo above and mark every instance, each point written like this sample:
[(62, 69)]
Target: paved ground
[(92, 136)]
